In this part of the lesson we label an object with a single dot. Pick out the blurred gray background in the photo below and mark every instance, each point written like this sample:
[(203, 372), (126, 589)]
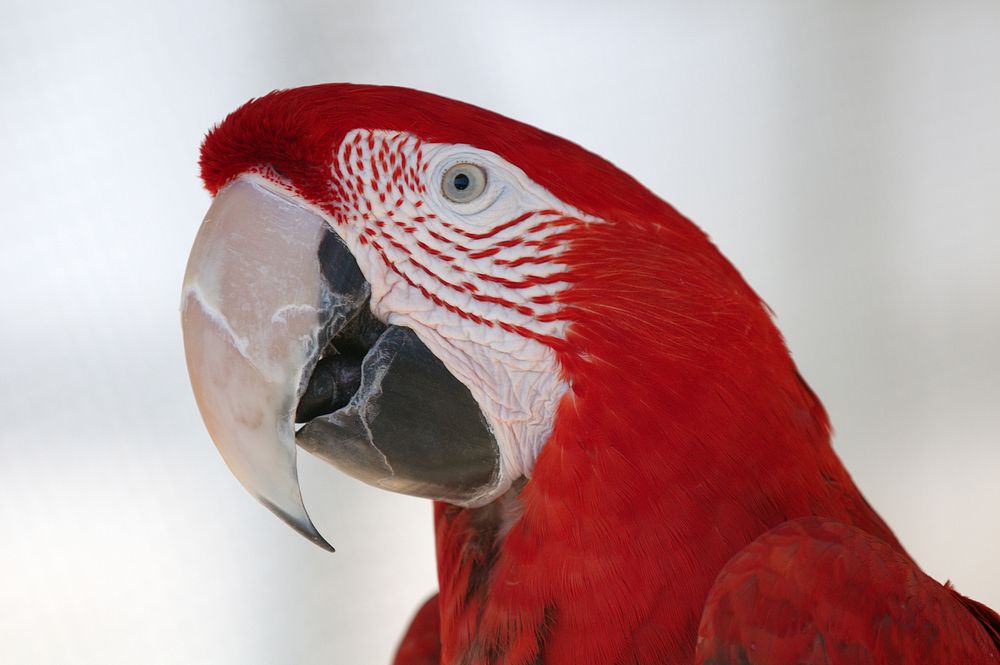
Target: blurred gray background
[(845, 156)]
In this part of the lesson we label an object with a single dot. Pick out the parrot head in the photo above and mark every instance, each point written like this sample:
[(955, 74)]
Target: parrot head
[(424, 294)]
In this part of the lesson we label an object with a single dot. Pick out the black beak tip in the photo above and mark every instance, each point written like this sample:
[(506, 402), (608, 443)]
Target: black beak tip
[(306, 529)]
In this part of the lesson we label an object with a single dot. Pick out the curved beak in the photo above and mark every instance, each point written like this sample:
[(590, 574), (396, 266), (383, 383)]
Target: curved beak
[(254, 307), (278, 331)]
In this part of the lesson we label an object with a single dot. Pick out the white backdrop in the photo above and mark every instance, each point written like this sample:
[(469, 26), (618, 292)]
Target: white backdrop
[(845, 155)]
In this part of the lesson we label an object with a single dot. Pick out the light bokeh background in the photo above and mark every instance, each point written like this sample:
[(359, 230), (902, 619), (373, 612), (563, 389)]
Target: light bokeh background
[(845, 155)]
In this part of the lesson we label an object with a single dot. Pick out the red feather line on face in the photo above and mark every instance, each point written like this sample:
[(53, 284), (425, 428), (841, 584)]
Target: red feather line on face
[(393, 182), (396, 225)]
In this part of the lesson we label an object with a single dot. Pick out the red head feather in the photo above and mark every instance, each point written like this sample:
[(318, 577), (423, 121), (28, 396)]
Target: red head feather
[(296, 131)]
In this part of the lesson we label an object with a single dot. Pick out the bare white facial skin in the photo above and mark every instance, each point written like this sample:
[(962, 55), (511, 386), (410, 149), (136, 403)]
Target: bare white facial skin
[(476, 280)]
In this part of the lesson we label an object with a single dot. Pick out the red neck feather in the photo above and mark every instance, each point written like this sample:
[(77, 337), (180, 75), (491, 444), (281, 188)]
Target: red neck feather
[(686, 433)]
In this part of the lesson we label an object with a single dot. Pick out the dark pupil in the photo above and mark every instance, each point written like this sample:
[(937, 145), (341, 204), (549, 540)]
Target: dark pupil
[(461, 182)]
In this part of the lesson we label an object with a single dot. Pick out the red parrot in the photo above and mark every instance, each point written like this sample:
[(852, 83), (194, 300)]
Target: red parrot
[(626, 465)]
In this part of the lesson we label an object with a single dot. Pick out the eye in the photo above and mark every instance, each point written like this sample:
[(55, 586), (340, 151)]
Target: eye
[(463, 182)]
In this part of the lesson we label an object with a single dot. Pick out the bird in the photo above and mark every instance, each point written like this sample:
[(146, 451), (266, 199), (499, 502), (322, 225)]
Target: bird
[(625, 463)]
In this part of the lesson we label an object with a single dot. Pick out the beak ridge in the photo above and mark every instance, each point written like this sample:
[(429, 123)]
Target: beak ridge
[(254, 310)]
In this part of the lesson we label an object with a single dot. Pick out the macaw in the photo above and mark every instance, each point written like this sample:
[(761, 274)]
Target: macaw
[(626, 465)]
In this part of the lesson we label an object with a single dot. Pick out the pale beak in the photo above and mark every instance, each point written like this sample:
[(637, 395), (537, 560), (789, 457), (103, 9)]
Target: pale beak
[(278, 330), (254, 305)]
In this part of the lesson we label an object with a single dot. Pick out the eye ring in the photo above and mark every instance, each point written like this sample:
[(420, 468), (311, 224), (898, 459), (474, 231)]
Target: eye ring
[(463, 182)]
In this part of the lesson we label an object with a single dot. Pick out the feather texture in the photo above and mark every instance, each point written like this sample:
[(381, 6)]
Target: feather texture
[(818, 591), (686, 442)]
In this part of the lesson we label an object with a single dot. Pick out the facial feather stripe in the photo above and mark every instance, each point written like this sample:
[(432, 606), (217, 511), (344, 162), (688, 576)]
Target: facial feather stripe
[(478, 282)]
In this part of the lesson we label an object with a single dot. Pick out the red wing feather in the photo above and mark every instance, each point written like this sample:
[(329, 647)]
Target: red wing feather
[(815, 590), (422, 643), (987, 617)]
